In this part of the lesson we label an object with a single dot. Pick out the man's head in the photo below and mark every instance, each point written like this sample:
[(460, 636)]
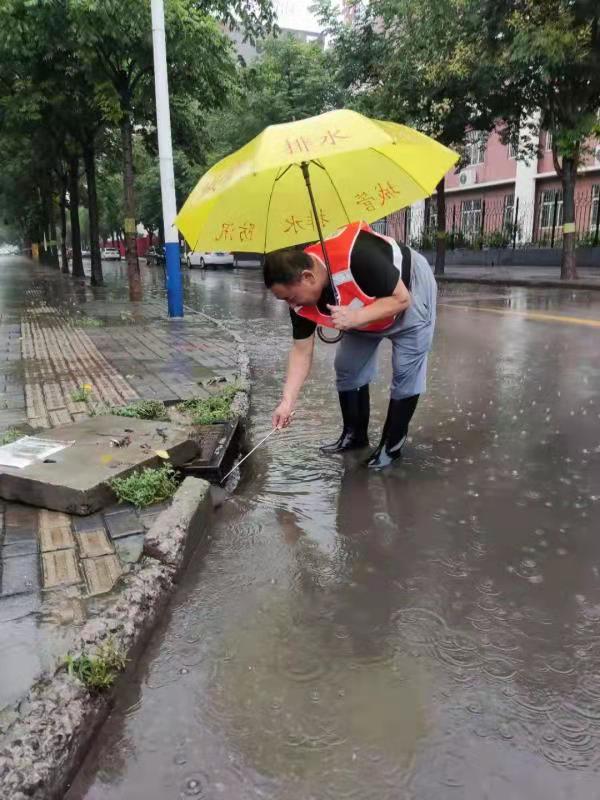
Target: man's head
[(294, 276)]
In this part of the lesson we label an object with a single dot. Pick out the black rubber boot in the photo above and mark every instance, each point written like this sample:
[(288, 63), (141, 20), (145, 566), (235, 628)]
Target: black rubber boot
[(355, 416), (395, 431)]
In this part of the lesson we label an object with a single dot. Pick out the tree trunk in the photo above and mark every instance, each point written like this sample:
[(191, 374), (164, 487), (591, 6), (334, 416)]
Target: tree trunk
[(64, 259), (90, 174), (77, 269), (133, 265), (44, 225), (53, 245), (440, 242), (568, 266)]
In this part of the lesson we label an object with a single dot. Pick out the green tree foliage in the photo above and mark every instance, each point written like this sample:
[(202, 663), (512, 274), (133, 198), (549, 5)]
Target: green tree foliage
[(115, 43), (549, 54), (74, 72), (290, 80), (425, 63)]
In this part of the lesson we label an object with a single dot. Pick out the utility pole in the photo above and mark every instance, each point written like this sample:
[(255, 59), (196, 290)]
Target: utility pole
[(165, 153)]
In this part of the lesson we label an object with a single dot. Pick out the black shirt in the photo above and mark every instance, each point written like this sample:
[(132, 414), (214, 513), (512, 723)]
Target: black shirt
[(373, 268)]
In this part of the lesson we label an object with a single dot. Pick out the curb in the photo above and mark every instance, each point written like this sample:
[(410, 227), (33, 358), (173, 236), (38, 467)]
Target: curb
[(534, 283), (170, 539), (49, 732)]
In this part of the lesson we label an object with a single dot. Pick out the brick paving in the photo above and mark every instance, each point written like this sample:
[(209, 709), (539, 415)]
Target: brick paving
[(160, 360), (44, 551), (55, 337)]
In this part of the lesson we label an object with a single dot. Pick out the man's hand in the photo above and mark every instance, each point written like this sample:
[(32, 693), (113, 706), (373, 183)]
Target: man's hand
[(282, 416), (344, 318)]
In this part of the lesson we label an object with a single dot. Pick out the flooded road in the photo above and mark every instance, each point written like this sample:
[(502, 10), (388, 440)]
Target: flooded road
[(432, 632)]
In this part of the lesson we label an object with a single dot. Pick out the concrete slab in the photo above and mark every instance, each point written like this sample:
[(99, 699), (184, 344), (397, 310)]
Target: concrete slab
[(20, 524), (76, 480), (25, 548), (20, 574), (18, 606), (123, 523), (92, 523), (130, 548)]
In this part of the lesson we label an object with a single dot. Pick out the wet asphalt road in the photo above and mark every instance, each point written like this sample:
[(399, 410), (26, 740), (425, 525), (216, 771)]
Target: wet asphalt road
[(432, 632)]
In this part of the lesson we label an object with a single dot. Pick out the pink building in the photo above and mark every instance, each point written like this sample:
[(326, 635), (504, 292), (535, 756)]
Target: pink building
[(496, 199)]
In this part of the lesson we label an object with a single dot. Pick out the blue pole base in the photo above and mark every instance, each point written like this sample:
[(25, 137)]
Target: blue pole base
[(174, 285)]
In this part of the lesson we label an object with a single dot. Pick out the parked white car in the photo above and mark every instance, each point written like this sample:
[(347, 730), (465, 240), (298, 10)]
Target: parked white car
[(204, 259), (110, 254)]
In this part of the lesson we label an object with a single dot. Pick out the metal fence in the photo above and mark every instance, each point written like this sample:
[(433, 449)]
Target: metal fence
[(478, 223)]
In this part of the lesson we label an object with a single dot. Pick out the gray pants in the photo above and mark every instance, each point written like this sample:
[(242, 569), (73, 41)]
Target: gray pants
[(411, 336)]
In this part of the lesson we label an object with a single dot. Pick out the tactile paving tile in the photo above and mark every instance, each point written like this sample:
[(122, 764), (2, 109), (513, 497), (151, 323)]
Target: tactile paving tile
[(60, 568), (94, 543), (101, 573), (55, 531)]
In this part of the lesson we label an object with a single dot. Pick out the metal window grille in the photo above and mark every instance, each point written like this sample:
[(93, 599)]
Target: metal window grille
[(547, 208), (509, 212), (594, 208), (470, 221), (475, 148)]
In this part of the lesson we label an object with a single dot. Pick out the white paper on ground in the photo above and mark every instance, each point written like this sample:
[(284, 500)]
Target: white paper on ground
[(25, 451)]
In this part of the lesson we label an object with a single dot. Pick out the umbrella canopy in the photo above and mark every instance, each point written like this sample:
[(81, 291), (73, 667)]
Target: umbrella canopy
[(256, 199)]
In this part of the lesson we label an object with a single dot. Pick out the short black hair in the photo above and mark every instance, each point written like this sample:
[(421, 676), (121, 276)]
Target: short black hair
[(285, 266)]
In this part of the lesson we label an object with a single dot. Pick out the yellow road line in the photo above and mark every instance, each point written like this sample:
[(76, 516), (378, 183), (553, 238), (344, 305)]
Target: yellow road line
[(535, 315)]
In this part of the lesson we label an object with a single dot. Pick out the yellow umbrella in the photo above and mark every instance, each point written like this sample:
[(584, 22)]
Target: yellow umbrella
[(354, 168)]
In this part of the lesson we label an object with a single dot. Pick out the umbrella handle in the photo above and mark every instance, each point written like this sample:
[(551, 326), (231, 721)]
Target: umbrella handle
[(321, 334)]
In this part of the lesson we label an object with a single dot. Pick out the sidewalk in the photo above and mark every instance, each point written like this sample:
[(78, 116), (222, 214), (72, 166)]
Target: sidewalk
[(55, 337), (541, 277)]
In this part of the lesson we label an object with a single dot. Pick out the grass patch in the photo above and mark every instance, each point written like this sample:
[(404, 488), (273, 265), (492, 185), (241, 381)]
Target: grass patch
[(211, 409), (88, 322), (148, 486), (98, 672), (142, 409), (11, 435), (82, 394)]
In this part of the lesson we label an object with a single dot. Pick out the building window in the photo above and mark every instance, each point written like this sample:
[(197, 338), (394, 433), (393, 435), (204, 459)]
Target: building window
[(474, 148), (548, 140), (470, 218), (547, 200), (513, 149), (595, 206), (509, 213)]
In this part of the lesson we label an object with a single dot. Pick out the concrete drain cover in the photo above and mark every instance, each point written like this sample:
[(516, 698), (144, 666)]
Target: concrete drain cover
[(75, 479)]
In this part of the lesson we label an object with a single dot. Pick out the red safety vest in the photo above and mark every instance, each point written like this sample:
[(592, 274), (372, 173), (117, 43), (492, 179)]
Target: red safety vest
[(349, 293)]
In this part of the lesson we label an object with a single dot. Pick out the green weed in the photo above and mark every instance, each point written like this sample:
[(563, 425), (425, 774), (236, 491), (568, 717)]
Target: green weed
[(142, 409), (213, 409), (11, 435), (146, 487), (97, 672), (82, 394), (88, 322)]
